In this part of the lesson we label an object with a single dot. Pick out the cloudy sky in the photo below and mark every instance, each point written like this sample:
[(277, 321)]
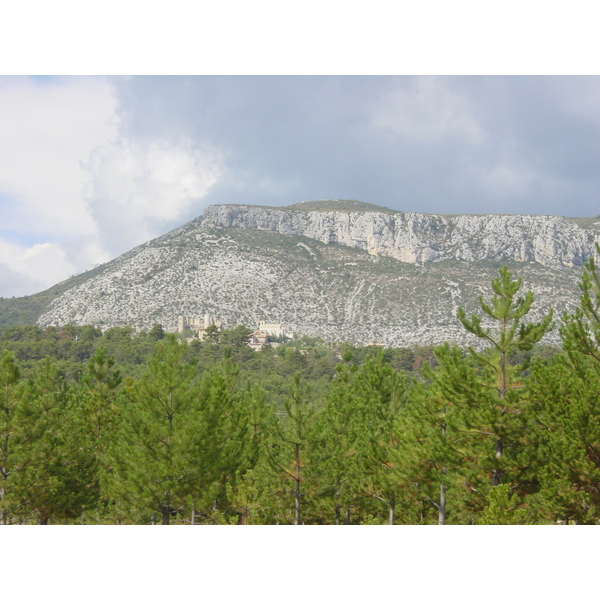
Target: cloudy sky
[(92, 166)]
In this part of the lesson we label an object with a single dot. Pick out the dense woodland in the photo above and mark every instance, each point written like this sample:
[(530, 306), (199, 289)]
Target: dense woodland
[(142, 428)]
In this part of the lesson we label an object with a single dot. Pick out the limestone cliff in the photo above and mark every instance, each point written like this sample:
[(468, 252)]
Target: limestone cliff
[(420, 238)]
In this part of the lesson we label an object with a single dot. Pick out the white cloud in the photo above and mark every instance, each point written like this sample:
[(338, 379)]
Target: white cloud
[(45, 261), (137, 191), (46, 130), (28, 270), (73, 191)]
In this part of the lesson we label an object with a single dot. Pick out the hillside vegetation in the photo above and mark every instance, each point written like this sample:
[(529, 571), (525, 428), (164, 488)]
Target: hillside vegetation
[(339, 205), (26, 310)]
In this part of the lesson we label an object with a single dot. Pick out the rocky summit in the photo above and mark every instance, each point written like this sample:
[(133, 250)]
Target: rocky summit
[(340, 270)]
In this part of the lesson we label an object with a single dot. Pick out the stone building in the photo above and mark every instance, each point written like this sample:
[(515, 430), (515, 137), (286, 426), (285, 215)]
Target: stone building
[(274, 330), (260, 337), (198, 326)]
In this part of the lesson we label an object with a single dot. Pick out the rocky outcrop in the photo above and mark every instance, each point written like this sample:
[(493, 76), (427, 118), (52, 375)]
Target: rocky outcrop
[(421, 238), (361, 276)]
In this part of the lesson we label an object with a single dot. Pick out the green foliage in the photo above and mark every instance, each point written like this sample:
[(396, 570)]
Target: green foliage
[(484, 392), (15, 436), (237, 337), (339, 205), (63, 474), (212, 335), (137, 428), (507, 310), (156, 333), (564, 440), (433, 447), (150, 457), (565, 414), (334, 455), (501, 508), (581, 330), (293, 440), (381, 393), (40, 475)]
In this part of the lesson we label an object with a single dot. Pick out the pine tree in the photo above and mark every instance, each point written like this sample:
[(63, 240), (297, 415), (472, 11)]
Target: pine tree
[(431, 444), (564, 438), (565, 414), (293, 440), (93, 414), (485, 389), (232, 422), (381, 395), (34, 442), (502, 508), (151, 466), (99, 390), (334, 453), (13, 437), (61, 482), (581, 330)]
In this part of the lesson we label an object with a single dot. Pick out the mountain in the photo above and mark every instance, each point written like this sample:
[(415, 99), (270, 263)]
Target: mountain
[(336, 269), (420, 238)]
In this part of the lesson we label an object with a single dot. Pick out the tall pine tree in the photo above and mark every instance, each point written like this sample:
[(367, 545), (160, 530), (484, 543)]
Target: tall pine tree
[(486, 390)]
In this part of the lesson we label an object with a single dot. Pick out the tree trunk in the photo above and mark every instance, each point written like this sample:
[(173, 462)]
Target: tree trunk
[(503, 387), (214, 509), (338, 510), (497, 473), (297, 503), (166, 513), (297, 486), (442, 506), (392, 508)]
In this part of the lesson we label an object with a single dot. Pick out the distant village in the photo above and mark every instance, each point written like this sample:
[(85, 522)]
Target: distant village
[(264, 334)]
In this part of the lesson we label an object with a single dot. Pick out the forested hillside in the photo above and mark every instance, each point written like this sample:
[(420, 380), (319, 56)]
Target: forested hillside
[(135, 428)]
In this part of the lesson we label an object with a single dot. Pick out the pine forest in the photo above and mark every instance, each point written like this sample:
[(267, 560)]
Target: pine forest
[(145, 428)]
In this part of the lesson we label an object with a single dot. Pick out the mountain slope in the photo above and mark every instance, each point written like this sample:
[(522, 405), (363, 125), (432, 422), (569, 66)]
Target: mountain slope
[(331, 273)]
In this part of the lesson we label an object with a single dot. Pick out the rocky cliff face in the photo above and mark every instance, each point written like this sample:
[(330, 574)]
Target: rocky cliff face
[(361, 276), (420, 238)]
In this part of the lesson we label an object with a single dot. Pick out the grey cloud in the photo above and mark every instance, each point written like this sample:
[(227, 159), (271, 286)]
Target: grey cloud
[(489, 144)]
